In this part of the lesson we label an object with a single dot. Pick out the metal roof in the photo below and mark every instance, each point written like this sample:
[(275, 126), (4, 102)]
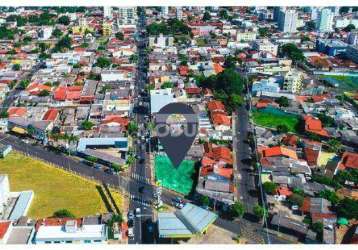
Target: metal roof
[(120, 142), (171, 226), (22, 205), (159, 98)]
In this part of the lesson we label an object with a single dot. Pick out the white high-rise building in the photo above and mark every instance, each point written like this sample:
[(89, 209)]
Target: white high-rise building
[(127, 15), (165, 11), (287, 21), (107, 11), (179, 12), (325, 22)]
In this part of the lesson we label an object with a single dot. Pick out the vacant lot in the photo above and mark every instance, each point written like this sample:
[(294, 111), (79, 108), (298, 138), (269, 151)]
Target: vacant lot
[(272, 120), (54, 188)]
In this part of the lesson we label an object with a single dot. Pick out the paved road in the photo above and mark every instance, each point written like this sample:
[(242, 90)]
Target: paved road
[(247, 188), (140, 196)]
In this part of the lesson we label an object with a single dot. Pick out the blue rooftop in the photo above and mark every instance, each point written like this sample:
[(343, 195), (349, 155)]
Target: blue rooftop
[(22, 205)]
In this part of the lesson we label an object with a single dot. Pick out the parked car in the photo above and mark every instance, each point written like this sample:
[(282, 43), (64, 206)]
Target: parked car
[(130, 215), (137, 211), (178, 202), (130, 232)]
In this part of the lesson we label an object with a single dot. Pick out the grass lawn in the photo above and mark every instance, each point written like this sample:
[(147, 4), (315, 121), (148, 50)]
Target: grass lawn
[(54, 188), (271, 120)]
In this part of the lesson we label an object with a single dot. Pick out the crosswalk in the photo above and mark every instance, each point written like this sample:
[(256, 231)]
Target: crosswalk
[(140, 178), (140, 200)]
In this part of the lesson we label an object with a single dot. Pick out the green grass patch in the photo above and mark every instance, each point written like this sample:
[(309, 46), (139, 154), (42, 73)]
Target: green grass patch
[(345, 83), (177, 179), (272, 120), (54, 188)]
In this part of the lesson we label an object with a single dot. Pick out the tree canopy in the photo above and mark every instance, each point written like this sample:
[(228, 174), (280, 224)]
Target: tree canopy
[(171, 27), (65, 20), (63, 213), (291, 51)]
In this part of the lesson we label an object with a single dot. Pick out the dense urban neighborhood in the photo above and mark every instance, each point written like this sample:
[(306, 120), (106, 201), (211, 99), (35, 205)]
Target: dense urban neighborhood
[(275, 158)]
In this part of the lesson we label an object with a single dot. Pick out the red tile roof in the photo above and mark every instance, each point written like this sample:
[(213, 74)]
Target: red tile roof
[(216, 106), (183, 70), (314, 125), (311, 156), (279, 151), (290, 140), (193, 91), (349, 160), (50, 115), (63, 93), (35, 88), (221, 119), (4, 226), (17, 111), (284, 191), (116, 119)]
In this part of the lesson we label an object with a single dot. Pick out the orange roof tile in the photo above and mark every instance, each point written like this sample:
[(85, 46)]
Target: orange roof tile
[(349, 160), (50, 115), (216, 105), (4, 226), (221, 119), (17, 111), (279, 151)]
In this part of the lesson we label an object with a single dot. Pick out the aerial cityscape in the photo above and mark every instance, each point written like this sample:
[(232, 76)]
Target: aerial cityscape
[(271, 94)]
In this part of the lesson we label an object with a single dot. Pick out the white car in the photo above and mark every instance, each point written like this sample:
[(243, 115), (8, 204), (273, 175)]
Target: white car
[(137, 212)]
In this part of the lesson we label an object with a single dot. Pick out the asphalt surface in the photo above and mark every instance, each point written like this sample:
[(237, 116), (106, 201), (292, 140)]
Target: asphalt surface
[(141, 196), (247, 188)]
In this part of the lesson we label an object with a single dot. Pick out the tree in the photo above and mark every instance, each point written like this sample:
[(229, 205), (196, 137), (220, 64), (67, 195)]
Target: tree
[(348, 208), (259, 211), (44, 92), (334, 146), (103, 62), (116, 167), (205, 201), (63, 44), (167, 85), (282, 128), (63, 213), (132, 127), (87, 125), (230, 62), (223, 14), (264, 32), (291, 51), (91, 158), (65, 20), (283, 101), (296, 199), (119, 36), (310, 26), (16, 67), (270, 187), (23, 84), (237, 209), (318, 228), (206, 16), (4, 114), (329, 195)]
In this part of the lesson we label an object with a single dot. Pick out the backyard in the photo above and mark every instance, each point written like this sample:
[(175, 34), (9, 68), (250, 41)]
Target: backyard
[(272, 118), (54, 188), (177, 179)]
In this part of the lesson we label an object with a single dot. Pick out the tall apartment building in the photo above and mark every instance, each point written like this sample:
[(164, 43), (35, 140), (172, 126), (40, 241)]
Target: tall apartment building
[(287, 21), (293, 81), (127, 15), (107, 11), (266, 46), (325, 21), (353, 37)]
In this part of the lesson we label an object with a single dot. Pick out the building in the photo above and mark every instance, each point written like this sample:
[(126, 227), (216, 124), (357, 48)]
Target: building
[(266, 46), (72, 231), (4, 192), (45, 33), (246, 36), (186, 222), (161, 41), (352, 38), (4, 150), (352, 53), (179, 12), (293, 81), (331, 47), (107, 12), (127, 15), (287, 21), (107, 28), (266, 85), (159, 98), (325, 21)]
